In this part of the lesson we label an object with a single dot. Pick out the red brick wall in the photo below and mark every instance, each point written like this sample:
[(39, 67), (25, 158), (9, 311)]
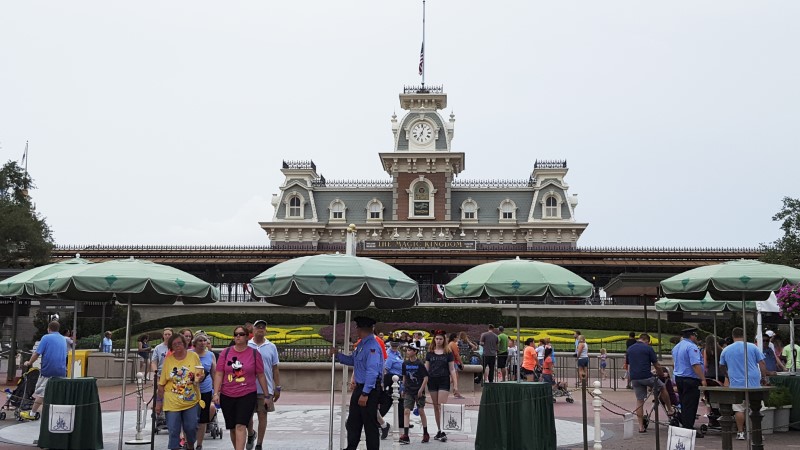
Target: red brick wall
[(404, 181)]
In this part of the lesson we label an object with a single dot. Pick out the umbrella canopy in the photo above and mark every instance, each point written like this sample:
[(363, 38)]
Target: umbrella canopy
[(20, 284), (336, 281), (706, 304), (141, 281), (733, 280), (520, 278)]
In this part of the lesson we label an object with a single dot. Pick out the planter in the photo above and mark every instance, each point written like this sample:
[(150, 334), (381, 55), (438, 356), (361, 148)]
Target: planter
[(767, 420), (782, 418)]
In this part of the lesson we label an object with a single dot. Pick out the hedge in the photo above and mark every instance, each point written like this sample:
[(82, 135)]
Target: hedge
[(194, 320)]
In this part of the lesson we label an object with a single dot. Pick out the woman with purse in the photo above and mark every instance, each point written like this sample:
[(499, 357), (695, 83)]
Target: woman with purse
[(238, 370)]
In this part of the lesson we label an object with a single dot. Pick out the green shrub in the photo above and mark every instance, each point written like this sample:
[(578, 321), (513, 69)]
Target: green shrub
[(780, 396), (195, 320)]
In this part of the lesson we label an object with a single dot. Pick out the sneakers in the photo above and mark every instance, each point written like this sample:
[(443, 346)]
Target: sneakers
[(426, 438), (384, 431), (740, 436), (440, 436), (258, 447), (404, 440), (251, 439), (27, 415)]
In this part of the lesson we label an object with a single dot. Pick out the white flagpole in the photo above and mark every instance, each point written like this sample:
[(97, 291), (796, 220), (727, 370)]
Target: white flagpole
[(422, 52)]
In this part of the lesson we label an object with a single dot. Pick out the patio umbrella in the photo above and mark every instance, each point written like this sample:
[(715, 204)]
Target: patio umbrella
[(128, 281), (336, 282), (520, 279), (733, 280)]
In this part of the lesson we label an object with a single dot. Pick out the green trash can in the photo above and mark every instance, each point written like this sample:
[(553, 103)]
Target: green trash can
[(87, 430)]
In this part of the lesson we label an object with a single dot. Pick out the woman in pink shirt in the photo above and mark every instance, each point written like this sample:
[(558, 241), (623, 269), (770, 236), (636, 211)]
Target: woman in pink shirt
[(238, 369)]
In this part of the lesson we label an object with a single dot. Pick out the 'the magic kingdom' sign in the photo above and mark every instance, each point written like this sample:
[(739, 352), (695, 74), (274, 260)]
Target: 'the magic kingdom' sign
[(419, 245)]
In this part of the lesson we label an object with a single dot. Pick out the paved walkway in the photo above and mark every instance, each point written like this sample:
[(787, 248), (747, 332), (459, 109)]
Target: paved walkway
[(301, 422)]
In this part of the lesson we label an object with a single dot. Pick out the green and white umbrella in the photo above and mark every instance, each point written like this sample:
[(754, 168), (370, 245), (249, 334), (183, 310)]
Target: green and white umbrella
[(19, 284), (336, 282), (127, 281), (733, 280), (519, 279), (707, 304)]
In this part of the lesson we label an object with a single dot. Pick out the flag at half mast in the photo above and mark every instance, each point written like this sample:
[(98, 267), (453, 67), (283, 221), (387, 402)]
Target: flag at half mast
[(421, 58)]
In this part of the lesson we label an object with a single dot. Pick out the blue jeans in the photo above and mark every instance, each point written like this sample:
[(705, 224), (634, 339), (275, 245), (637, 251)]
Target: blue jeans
[(186, 420)]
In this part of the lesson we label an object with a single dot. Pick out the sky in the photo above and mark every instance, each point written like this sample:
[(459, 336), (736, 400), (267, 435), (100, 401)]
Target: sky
[(166, 122)]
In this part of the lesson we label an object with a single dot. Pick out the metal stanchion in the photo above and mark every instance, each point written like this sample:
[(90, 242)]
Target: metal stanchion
[(140, 439), (395, 400), (585, 419)]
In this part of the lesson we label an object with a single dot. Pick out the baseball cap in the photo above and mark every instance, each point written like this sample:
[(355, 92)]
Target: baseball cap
[(769, 333), (259, 322)]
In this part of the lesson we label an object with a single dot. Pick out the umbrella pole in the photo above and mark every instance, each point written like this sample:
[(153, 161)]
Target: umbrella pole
[(746, 375), (74, 337), (791, 342), (519, 360), (333, 377), (12, 353), (658, 319), (345, 381), (124, 373), (716, 353)]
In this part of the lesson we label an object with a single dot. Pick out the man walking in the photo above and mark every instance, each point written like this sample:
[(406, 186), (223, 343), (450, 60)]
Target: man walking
[(367, 362), (732, 357), (689, 375), (53, 350), (502, 353), (638, 359), (393, 366), (269, 356), (490, 342)]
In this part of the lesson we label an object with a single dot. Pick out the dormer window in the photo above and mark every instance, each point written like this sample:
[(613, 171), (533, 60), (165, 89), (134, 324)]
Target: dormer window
[(551, 206), (469, 210), (508, 210), (375, 210), (421, 199), (295, 205), (337, 209)]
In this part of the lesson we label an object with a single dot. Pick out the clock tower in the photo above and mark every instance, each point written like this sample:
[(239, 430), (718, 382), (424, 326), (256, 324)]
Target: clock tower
[(421, 164)]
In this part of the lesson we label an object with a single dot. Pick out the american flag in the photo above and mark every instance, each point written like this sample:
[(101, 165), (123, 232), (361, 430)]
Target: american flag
[(421, 58)]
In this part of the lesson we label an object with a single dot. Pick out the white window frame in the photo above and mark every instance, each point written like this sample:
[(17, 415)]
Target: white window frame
[(288, 202), (559, 201), (464, 212), (337, 206), (513, 211), (431, 196), (379, 205)]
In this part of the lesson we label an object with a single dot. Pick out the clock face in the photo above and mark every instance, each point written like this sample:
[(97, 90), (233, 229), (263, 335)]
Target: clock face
[(422, 133)]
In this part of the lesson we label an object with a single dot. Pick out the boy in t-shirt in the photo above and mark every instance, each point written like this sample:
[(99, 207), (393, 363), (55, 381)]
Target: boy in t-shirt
[(415, 378)]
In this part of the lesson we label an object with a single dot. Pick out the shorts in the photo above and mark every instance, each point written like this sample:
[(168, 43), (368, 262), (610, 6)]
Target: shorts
[(640, 386), (583, 362), (205, 413), (502, 360), (409, 400), (525, 372), (237, 410), (739, 407), (548, 378), (261, 408), (41, 384), (439, 384)]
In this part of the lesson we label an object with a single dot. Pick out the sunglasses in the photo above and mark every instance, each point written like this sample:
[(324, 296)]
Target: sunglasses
[(240, 334)]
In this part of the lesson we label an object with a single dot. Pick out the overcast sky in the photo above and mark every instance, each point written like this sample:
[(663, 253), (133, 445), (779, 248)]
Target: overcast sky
[(166, 122)]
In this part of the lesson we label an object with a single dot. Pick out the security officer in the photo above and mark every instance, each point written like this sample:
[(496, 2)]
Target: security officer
[(367, 362), (689, 375), (392, 366)]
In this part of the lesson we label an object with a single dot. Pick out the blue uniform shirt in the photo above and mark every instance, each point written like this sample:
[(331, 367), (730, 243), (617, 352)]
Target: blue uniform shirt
[(367, 362), (685, 355), (394, 362)]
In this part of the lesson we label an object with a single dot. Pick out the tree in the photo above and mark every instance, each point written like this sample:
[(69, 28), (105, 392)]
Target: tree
[(786, 250), (25, 238)]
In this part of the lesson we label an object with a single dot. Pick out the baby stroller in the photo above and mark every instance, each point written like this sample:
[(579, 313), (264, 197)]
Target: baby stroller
[(675, 418), (21, 398), (561, 389), (213, 429)]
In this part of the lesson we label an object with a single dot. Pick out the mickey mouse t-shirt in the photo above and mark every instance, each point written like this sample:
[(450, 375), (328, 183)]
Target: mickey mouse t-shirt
[(239, 371), (178, 379)]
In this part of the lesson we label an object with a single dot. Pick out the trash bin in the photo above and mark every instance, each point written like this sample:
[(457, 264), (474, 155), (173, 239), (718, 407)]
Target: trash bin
[(81, 359), (87, 426)]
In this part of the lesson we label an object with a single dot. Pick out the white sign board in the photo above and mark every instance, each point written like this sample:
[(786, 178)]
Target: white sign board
[(452, 417), (681, 439), (62, 418)]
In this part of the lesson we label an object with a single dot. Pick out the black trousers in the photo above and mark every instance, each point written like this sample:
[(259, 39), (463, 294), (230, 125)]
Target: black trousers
[(365, 418), (385, 405), (689, 394), (490, 362)]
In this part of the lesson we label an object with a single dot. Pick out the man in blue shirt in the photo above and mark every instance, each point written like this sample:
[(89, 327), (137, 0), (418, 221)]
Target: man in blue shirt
[(269, 356), (367, 362), (732, 357), (638, 359), (689, 376), (53, 351), (393, 366)]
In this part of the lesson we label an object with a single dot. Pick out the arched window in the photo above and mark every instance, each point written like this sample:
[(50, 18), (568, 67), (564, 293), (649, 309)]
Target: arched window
[(551, 207), (337, 210), (508, 210), (469, 210), (375, 210), (421, 197), (295, 207)]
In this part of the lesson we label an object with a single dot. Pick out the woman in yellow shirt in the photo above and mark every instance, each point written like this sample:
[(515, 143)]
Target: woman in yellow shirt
[(179, 392)]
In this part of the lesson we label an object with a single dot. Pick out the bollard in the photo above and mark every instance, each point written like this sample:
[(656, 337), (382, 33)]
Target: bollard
[(395, 399), (140, 439), (627, 426), (597, 404)]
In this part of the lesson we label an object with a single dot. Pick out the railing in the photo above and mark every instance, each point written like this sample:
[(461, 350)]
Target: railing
[(494, 184), (550, 164), (423, 89), (321, 182), (299, 165)]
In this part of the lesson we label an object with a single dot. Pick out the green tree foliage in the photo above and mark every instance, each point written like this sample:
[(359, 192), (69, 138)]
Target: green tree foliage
[(89, 326), (786, 250), (25, 238)]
